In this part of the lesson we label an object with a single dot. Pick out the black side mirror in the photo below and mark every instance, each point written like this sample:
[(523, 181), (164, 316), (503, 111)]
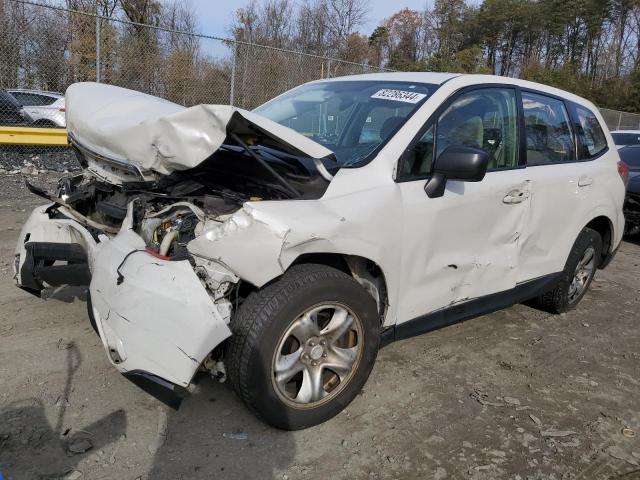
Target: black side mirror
[(456, 163)]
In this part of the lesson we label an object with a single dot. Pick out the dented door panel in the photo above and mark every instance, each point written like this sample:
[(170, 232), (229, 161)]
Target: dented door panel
[(463, 245), (561, 208)]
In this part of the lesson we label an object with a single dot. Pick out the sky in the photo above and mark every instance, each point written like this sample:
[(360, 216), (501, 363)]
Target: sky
[(215, 16)]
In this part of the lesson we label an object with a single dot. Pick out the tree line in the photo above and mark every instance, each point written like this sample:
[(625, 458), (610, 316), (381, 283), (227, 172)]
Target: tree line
[(590, 47)]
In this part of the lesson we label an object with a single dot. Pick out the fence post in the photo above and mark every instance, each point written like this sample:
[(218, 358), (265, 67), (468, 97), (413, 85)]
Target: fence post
[(232, 90), (619, 120), (98, 48)]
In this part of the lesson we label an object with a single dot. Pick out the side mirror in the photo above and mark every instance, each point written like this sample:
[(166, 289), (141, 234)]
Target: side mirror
[(466, 164)]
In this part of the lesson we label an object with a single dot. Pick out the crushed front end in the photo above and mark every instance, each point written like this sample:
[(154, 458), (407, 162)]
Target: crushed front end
[(156, 177), (160, 311)]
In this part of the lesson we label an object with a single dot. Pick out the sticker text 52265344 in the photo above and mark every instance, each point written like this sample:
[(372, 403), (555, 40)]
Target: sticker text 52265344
[(398, 95)]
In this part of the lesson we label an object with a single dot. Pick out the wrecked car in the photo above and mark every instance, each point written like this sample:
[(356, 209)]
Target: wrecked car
[(284, 246)]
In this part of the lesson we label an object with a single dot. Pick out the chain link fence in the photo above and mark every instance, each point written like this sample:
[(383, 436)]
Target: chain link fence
[(617, 120), (45, 48)]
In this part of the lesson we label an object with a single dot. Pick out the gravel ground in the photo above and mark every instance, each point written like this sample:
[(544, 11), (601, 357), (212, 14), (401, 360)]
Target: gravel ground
[(30, 161), (512, 395)]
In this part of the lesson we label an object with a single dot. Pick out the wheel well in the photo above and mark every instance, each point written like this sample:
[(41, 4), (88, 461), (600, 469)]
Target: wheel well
[(366, 272), (603, 226)]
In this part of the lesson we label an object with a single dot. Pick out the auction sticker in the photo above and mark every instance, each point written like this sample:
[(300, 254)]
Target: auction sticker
[(399, 95)]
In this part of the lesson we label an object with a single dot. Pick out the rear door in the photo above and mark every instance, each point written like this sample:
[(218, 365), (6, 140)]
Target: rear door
[(562, 147), (465, 244)]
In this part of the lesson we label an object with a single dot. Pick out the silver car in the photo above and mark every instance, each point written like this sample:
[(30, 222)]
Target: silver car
[(47, 109)]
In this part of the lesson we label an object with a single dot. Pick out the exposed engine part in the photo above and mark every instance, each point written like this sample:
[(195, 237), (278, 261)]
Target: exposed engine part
[(216, 368), (170, 237), (172, 232), (215, 277)]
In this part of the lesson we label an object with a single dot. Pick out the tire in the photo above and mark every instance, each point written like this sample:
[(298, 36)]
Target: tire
[(262, 324), (562, 298)]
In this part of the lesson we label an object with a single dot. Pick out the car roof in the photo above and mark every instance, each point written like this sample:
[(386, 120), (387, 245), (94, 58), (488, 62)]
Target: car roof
[(39, 92), (436, 78), (439, 78)]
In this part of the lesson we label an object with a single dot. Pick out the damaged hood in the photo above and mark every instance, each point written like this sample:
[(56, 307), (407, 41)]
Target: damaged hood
[(145, 134)]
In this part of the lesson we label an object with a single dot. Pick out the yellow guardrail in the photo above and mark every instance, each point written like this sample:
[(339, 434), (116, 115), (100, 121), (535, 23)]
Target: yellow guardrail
[(52, 137)]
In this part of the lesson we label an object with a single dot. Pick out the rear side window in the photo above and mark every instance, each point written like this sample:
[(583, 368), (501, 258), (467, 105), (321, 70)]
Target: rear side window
[(548, 130), (590, 132)]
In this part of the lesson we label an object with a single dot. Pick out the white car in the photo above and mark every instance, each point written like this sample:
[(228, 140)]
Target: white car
[(47, 109), (283, 247), (624, 138)]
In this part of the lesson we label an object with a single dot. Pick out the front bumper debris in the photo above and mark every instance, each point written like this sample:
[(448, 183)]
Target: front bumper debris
[(159, 319), (157, 325)]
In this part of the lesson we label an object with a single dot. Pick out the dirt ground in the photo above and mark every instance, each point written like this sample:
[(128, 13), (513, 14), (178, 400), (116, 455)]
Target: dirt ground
[(516, 394)]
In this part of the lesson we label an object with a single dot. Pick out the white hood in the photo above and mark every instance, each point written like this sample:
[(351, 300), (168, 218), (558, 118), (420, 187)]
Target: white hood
[(154, 135)]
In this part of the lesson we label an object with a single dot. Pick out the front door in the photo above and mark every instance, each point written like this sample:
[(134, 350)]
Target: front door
[(465, 244)]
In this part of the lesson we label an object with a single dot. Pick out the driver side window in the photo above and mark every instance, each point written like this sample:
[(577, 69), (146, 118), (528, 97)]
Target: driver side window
[(485, 118)]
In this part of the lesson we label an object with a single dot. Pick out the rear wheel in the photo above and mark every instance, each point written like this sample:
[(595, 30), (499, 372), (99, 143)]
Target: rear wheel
[(577, 275), (303, 347)]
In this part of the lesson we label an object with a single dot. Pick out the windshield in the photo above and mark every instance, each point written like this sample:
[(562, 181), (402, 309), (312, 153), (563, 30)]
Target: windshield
[(351, 118), (626, 138)]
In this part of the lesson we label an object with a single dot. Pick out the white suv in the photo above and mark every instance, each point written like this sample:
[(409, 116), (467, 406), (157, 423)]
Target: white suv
[(47, 109), (283, 247)]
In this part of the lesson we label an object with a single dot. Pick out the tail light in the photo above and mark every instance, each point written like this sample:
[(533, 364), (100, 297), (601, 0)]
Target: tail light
[(623, 171), (62, 109)]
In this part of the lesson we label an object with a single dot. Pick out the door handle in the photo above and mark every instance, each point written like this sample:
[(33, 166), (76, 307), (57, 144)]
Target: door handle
[(585, 181), (515, 196)]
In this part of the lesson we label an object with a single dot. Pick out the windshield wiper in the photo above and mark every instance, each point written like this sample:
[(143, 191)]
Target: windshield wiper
[(317, 162), (266, 166)]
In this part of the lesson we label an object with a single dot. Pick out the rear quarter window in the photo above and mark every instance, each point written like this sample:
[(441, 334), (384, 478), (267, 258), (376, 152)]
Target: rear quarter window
[(592, 139)]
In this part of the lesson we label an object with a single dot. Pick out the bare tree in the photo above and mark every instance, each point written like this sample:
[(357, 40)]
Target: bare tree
[(312, 28), (345, 17)]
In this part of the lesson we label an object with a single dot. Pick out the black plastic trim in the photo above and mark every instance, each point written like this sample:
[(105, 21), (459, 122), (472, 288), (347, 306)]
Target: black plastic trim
[(163, 390), (470, 309), (38, 265)]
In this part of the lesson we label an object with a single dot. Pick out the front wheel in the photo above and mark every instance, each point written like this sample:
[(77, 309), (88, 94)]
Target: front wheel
[(303, 347), (577, 275)]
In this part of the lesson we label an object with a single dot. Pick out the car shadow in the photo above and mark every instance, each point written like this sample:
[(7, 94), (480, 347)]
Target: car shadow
[(31, 447), (64, 293), (213, 435)]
